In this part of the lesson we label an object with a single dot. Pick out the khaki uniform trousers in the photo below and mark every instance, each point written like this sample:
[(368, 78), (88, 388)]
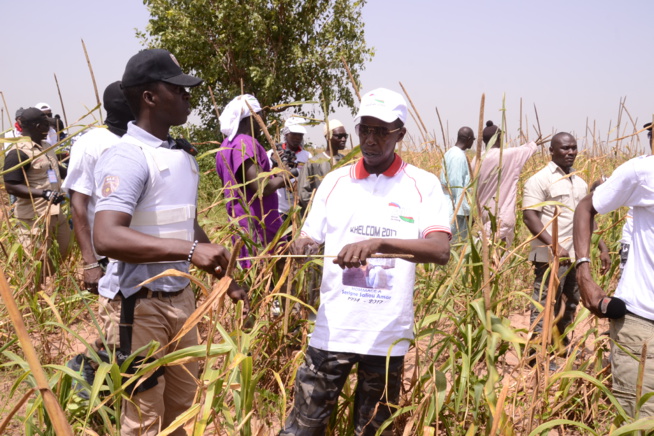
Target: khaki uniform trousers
[(630, 333), (160, 319)]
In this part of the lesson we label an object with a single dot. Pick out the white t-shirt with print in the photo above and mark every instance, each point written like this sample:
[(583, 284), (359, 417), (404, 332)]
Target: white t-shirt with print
[(632, 185), (365, 310)]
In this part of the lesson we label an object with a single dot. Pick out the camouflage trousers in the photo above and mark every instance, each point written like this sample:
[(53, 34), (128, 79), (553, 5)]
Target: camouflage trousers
[(567, 287), (321, 378)]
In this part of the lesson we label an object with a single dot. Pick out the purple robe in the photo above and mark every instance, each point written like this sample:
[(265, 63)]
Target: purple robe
[(258, 217)]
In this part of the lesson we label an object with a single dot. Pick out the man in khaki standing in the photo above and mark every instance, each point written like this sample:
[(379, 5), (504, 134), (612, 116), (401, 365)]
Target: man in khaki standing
[(34, 178)]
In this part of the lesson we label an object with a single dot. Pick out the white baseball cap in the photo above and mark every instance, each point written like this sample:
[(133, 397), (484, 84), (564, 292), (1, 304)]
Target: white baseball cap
[(383, 104), (43, 106), (294, 125)]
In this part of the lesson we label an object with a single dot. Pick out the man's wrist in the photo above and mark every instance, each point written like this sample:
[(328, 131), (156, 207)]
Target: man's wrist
[(582, 260), (92, 266)]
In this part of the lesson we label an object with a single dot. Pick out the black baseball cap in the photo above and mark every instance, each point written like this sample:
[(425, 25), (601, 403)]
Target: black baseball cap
[(32, 115), (156, 65)]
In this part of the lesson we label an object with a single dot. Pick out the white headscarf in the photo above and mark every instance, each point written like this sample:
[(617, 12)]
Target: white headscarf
[(235, 111)]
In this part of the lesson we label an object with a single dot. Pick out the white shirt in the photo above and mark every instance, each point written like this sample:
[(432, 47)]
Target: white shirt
[(628, 227), (365, 310), (552, 184), (11, 134), (632, 184), (83, 156), (52, 138), (284, 196)]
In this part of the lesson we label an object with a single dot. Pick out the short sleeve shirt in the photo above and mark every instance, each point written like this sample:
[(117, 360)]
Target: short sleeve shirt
[(632, 185), (552, 184), (122, 175), (365, 310), (455, 177), (81, 168)]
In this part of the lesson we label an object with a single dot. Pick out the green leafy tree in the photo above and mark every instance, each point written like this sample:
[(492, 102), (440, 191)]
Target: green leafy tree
[(280, 50)]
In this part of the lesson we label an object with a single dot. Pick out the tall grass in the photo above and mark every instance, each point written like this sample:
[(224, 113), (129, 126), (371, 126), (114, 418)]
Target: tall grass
[(465, 373)]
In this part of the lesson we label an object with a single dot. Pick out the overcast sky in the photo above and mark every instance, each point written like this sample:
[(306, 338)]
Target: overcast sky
[(574, 60)]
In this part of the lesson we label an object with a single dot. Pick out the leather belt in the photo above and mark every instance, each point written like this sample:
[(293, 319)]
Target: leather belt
[(146, 293), (639, 317)]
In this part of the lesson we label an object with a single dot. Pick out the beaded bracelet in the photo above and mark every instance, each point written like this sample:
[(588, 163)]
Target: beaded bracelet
[(190, 254), (91, 266)]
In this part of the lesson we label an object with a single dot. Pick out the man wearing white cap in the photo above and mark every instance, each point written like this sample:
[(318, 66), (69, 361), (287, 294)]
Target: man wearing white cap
[(47, 110), (318, 166), (293, 132), (378, 206)]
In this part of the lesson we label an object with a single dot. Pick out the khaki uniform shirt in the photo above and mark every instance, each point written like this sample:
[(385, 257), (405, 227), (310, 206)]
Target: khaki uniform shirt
[(36, 176), (552, 184)]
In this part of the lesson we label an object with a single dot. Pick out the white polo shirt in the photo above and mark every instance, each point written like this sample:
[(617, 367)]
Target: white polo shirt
[(285, 197), (365, 310), (632, 184), (553, 184)]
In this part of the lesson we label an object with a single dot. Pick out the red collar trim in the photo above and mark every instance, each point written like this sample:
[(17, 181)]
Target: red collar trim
[(360, 171), (298, 150)]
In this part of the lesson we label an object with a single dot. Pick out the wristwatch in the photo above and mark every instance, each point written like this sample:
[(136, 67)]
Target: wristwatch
[(582, 260)]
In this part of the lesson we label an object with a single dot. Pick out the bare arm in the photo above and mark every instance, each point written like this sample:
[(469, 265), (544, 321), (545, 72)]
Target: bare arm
[(535, 226), (23, 191), (584, 221), (252, 171), (79, 204), (435, 248), (112, 236)]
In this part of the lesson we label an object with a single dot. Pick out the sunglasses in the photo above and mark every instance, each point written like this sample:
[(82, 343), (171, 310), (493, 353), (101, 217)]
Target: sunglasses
[(377, 132), (340, 135)]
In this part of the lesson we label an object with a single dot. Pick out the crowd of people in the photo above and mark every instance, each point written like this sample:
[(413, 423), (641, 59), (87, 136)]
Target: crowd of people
[(133, 193)]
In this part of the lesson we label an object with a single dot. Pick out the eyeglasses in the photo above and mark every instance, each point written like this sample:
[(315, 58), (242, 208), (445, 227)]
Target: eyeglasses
[(340, 135), (378, 132)]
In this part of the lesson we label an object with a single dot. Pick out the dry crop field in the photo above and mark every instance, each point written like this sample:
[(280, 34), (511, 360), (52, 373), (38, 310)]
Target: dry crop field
[(465, 374)]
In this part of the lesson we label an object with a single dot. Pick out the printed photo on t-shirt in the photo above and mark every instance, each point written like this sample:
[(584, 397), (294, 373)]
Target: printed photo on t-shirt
[(376, 274)]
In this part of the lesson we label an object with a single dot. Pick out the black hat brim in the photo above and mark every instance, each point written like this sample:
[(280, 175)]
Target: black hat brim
[(183, 80)]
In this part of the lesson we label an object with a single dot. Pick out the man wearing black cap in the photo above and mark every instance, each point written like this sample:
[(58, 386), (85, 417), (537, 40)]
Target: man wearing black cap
[(146, 219), (17, 131), (37, 185)]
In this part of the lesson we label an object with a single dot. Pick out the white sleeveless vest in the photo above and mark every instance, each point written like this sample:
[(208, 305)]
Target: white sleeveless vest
[(167, 209)]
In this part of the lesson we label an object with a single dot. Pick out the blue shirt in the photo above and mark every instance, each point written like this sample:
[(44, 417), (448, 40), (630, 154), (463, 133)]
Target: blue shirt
[(455, 166)]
